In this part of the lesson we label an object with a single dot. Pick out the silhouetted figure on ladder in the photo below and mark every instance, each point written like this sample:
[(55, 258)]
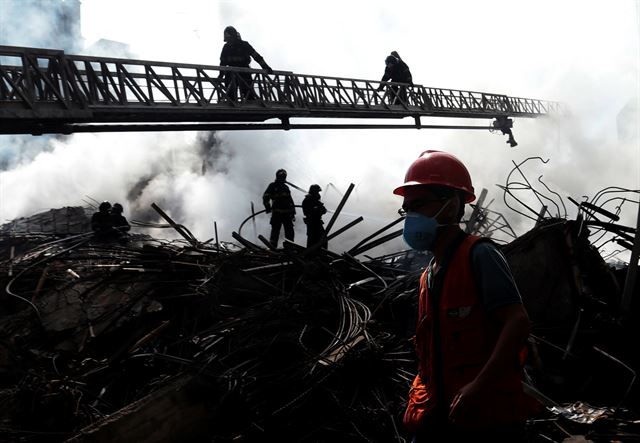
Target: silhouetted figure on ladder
[(396, 71), (237, 52)]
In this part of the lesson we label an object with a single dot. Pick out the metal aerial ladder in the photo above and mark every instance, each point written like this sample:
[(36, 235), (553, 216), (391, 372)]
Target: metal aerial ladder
[(48, 91)]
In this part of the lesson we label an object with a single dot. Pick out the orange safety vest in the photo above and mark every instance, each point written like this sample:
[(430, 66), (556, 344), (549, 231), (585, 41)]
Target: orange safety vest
[(467, 339)]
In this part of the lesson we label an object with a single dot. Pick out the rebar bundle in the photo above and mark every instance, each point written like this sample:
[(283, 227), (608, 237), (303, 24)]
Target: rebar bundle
[(273, 336)]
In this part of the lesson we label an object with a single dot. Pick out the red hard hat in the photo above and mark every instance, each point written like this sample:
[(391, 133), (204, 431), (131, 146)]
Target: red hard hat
[(438, 168)]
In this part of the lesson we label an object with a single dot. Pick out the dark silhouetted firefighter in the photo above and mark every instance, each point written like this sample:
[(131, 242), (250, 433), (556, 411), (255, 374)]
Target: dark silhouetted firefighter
[(238, 53), (101, 221), (108, 223), (119, 222), (313, 210), (277, 201), (396, 71)]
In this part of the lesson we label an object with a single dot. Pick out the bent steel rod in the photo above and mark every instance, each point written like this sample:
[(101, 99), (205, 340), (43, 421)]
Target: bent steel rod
[(378, 232)]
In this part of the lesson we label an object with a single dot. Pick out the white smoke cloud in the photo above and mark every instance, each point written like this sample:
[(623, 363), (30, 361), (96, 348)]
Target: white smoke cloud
[(584, 54), (41, 24)]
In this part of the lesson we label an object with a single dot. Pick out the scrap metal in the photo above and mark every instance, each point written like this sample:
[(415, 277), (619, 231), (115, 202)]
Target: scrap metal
[(155, 340)]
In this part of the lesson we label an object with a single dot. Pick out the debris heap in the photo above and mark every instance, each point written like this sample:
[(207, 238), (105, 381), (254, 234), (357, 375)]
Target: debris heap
[(156, 340), (148, 340)]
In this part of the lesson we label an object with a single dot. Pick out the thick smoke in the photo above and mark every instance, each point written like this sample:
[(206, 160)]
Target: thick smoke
[(40, 24), (521, 50)]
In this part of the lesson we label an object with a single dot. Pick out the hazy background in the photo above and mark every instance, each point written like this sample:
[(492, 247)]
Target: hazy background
[(583, 53)]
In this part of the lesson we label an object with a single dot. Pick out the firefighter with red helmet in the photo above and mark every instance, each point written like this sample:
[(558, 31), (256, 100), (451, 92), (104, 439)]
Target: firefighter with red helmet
[(277, 201), (472, 326)]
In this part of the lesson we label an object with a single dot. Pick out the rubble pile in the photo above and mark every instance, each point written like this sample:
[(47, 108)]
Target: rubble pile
[(70, 220), (148, 340), (155, 338), (578, 331), (582, 347)]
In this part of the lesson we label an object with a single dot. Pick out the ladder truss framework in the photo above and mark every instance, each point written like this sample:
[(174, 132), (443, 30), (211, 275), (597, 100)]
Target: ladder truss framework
[(45, 90)]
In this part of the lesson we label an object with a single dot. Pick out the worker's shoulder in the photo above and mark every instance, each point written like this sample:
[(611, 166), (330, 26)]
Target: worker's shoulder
[(237, 45), (245, 44), (278, 187), (484, 246), (486, 257)]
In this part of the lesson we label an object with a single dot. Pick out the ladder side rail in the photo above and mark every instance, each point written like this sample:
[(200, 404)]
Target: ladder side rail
[(130, 84), (42, 80), (14, 78), (158, 84), (99, 93), (111, 80)]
